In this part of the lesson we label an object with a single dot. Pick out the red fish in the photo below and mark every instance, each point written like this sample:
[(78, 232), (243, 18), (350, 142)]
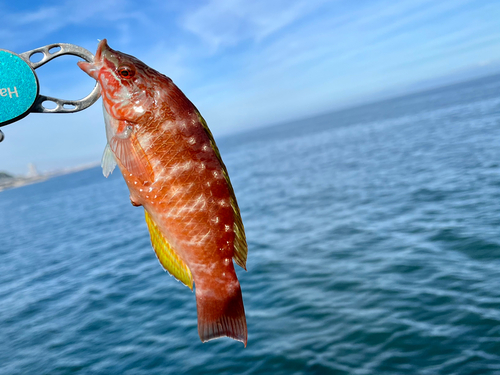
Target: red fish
[(171, 164)]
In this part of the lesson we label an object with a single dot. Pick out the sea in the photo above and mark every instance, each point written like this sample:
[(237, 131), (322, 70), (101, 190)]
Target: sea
[(374, 248)]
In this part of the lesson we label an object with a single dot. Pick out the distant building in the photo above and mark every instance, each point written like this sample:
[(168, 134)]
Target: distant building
[(32, 171)]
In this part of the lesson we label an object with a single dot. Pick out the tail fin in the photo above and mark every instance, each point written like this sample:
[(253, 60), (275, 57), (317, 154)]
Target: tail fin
[(219, 317)]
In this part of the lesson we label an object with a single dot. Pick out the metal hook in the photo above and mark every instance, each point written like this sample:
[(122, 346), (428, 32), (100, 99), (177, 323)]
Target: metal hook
[(62, 106)]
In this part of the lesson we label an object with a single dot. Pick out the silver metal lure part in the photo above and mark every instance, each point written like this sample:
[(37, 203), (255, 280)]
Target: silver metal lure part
[(62, 106)]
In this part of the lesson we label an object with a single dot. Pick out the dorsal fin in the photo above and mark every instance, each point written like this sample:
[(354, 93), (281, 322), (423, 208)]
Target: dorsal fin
[(167, 256), (240, 242)]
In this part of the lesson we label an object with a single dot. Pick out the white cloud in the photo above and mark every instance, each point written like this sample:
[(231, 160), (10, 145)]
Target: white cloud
[(23, 27), (223, 23)]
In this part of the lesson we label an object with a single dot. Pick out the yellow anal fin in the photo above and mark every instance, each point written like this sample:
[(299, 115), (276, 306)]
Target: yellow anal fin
[(167, 256)]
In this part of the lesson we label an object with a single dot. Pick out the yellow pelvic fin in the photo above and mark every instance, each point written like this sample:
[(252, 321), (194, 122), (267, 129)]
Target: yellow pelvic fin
[(167, 256)]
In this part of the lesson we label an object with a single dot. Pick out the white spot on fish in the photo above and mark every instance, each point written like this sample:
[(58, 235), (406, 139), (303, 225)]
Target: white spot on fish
[(216, 220), (227, 261), (191, 141), (206, 147), (227, 228)]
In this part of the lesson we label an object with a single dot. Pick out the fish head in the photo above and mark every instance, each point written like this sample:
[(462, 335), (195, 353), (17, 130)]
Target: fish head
[(127, 87)]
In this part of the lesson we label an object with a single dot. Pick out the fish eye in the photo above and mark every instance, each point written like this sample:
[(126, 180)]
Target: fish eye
[(126, 72)]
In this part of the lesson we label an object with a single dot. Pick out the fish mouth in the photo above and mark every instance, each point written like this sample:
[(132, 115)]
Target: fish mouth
[(104, 53)]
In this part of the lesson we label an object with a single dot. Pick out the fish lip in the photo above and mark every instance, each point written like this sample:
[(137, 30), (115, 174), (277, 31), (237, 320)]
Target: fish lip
[(102, 48), (105, 55)]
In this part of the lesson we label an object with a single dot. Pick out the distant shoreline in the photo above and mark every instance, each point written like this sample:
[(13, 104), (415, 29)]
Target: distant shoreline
[(11, 182), (15, 182)]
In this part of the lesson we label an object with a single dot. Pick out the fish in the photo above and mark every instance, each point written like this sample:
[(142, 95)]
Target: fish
[(173, 169)]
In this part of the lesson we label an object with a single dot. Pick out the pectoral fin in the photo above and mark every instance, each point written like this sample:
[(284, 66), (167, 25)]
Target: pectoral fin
[(167, 256), (108, 162), (131, 155)]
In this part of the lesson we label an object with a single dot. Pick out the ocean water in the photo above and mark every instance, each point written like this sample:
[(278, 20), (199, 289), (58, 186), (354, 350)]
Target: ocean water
[(374, 248)]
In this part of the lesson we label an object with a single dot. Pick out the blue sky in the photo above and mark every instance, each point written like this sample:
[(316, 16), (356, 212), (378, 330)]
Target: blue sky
[(245, 63)]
